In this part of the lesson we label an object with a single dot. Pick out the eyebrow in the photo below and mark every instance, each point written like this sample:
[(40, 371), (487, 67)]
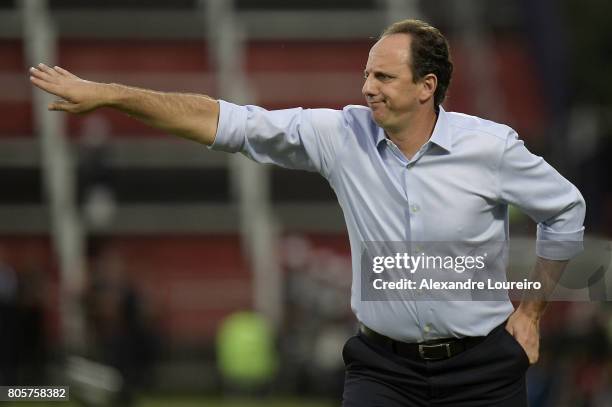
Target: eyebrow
[(377, 72)]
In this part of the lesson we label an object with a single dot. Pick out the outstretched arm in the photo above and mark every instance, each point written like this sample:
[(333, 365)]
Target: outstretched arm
[(187, 115)]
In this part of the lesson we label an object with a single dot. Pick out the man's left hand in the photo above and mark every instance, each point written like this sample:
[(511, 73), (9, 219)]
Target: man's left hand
[(526, 330)]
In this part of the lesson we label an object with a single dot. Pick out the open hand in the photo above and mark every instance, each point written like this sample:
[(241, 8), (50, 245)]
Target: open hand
[(77, 95)]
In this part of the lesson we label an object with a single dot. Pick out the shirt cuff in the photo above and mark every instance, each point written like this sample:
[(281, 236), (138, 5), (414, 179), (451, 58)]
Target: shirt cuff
[(231, 128), (553, 245)]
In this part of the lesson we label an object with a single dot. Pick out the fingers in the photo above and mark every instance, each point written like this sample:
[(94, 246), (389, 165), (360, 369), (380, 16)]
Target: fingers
[(53, 80), (60, 71), (64, 72), (62, 106), (45, 68), (47, 73), (45, 85), (49, 79), (41, 74)]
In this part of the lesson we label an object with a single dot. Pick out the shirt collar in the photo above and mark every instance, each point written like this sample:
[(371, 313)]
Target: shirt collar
[(441, 135), (380, 136)]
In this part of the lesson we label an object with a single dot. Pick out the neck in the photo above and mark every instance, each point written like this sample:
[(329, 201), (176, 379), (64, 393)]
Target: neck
[(417, 130)]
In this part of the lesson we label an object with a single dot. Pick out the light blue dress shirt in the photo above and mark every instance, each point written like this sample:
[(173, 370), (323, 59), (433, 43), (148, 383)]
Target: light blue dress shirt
[(457, 187)]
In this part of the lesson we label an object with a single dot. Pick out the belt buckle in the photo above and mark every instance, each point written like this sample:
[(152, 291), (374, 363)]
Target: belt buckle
[(424, 347)]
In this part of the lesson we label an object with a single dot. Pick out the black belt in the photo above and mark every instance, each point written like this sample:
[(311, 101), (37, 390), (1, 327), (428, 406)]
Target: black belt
[(437, 349)]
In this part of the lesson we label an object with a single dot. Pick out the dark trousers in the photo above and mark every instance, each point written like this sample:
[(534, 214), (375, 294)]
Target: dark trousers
[(491, 374)]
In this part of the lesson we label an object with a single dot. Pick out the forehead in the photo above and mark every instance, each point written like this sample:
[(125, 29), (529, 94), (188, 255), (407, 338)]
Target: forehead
[(391, 50)]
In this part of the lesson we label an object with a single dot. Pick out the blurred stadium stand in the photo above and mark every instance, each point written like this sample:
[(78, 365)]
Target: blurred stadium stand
[(175, 219), (311, 70)]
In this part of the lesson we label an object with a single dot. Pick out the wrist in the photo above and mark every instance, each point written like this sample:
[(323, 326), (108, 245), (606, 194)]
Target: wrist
[(532, 309), (110, 94)]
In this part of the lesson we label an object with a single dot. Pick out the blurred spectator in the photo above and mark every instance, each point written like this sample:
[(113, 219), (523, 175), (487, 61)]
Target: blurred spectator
[(317, 318), (9, 322), (120, 328), (246, 356), (22, 326), (32, 346)]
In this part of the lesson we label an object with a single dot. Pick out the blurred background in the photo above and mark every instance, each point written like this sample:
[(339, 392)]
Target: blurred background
[(141, 269)]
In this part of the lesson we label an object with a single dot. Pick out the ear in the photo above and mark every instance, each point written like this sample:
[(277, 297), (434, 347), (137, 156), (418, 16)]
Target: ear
[(428, 83)]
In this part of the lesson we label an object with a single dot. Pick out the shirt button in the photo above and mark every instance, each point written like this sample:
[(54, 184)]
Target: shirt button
[(415, 208)]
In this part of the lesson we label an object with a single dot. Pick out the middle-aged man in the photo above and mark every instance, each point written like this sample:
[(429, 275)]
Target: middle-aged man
[(404, 170)]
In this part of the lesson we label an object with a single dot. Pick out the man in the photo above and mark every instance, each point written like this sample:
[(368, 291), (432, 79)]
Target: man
[(403, 169)]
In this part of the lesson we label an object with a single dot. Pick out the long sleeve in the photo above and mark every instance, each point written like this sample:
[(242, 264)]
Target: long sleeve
[(530, 183), (306, 139)]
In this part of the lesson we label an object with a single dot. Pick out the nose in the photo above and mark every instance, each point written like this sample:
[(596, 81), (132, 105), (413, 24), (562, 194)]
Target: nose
[(368, 90)]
